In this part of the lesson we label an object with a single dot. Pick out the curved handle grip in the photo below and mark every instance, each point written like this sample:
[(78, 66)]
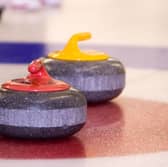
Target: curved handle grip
[(38, 74), (72, 45), (80, 37), (72, 52), (35, 66)]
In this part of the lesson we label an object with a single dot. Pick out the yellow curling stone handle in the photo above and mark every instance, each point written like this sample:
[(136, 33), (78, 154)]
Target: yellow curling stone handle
[(72, 52)]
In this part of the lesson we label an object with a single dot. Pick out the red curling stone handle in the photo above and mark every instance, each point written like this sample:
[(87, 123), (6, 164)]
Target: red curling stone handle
[(37, 81)]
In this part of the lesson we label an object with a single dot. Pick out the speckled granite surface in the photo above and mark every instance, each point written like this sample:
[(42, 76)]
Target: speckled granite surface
[(98, 80), (41, 115)]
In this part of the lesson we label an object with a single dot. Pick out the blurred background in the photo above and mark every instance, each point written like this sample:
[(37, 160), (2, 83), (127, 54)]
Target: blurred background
[(117, 22)]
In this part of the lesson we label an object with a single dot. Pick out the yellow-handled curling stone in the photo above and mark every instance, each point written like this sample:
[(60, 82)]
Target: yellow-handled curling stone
[(39, 106), (97, 75)]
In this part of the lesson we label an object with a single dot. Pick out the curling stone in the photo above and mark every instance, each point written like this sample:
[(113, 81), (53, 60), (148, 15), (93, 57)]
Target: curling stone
[(40, 107), (98, 76)]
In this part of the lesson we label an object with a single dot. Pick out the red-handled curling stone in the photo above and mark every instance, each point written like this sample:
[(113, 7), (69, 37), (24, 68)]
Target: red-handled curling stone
[(37, 81), (40, 107)]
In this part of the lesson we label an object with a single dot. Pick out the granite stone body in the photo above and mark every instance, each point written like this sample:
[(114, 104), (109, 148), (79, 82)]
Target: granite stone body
[(97, 80), (43, 114)]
